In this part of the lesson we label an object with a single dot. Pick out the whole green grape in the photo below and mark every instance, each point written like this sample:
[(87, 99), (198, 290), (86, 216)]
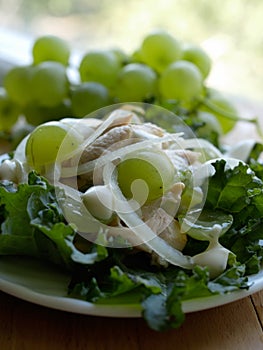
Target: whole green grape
[(220, 105), (159, 49), (9, 111), (88, 97), (121, 56), (51, 142), (50, 48), (36, 114), (181, 80), (136, 82), (100, 66), (49, 84), (17, 83), (211, 124), (152, 169), (199, 57)]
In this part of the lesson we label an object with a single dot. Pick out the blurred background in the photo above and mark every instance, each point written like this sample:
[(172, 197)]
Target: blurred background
[(230, 31)]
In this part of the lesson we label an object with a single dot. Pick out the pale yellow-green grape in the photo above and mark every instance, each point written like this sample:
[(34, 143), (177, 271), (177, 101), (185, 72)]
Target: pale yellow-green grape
[(221, 107), (88, 97), (159, 49), (50, 48), (145, 176), (9, 111), (136, 56), (121, 56), (36, 114), (199, 57), (17, 83), (181, 81), (211, 124), (100, 66), (136, 82), (49, 84), (44, 143)]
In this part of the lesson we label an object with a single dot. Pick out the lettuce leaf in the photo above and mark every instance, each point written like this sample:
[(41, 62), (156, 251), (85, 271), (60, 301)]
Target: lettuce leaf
[(240, 193), (33, 225)]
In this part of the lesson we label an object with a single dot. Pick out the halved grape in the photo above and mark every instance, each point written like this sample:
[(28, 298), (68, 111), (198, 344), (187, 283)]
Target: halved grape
[(17, 83), (43, 144), (100, 66), (199, 57), (159, 49), (88, 97), (146, 172), (136, 82), (50, 48), (181, 80), (49, 83)]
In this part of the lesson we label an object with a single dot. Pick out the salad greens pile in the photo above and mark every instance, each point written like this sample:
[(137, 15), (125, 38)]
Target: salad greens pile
[(33, 224)]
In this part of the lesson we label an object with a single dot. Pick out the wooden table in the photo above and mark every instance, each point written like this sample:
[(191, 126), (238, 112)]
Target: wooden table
[(25, 326)]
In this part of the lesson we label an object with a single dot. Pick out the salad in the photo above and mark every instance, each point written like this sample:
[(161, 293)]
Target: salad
[(135, 213)]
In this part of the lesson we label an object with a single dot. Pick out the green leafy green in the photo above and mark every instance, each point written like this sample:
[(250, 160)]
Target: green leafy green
[(33, 224), (239, 192)]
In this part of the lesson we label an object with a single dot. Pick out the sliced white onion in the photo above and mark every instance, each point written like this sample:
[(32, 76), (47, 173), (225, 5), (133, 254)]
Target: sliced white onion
[(140, 229), (119, 153), (210, 150)]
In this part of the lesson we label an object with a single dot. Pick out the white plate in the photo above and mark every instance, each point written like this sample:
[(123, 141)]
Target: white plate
[(43, 285)]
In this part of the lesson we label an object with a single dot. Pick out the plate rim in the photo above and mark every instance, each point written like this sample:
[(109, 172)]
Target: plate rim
[(78, 306)]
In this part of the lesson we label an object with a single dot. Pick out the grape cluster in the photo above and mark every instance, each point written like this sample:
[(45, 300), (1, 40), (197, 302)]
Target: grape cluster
[(162, 71)]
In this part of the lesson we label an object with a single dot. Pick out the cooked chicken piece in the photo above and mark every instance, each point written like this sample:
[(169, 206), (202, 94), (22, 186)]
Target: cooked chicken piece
[(115, 138), (181, 159), (147, 131), (191, 156), (105, 141)]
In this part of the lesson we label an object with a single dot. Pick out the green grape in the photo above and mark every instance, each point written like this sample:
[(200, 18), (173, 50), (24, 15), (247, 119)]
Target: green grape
[(136, 82), (181, 81), (88, 97), (50, 48), (9, 111), (221, 106), (211, 124), (17, 83), (100, 66), (49, 84), (199, 57), (36, 114), (159, 49), (121, 56), (18, 133), (154, 168), (43, 144), (136, 56)]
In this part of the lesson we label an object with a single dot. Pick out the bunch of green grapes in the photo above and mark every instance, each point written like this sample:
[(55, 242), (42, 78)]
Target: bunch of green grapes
[(163, 71), (38, 91)]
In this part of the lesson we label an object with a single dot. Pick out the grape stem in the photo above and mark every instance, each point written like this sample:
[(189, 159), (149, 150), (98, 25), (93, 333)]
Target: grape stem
[(228, 115)]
